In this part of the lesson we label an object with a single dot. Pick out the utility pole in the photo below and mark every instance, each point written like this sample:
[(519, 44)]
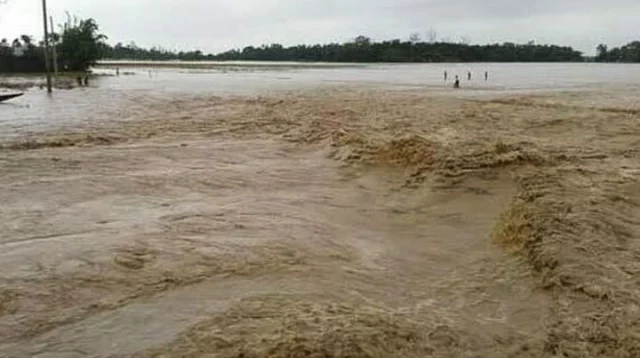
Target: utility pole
[(46, 45), (54, 51)]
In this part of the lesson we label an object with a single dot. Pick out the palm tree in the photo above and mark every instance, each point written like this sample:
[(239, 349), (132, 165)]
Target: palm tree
[(27, 40), (602, 52)]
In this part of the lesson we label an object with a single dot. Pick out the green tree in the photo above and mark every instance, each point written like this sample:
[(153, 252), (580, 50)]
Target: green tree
[(81, 45), (362, 40), (27, 40), (627, 53), (602, 53)]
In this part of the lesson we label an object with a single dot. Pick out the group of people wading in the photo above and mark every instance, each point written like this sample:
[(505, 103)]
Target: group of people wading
[(456, 82)]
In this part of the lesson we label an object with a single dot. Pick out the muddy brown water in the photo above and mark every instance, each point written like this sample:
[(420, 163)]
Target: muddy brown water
[(116, 98), (336, 222), (228, 220)]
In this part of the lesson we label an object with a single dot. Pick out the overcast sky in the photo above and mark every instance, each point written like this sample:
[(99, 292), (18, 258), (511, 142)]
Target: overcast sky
[(219, 25)]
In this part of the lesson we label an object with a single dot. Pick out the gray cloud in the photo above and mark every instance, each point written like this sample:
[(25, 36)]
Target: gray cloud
[(217, 25)]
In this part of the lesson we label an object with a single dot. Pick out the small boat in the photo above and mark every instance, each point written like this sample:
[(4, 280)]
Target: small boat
[(5, 97)]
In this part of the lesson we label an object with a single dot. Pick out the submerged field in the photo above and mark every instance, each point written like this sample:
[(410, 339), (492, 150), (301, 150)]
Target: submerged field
[(328, 223)]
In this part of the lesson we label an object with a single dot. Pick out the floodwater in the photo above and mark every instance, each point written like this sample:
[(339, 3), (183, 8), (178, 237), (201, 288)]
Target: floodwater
[(116, 250), (112, 98), (385, 215)]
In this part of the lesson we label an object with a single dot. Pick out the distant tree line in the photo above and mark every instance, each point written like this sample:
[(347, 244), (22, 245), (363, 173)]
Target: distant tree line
[(21, 55), (78, 47), (627, 53), (363, 49), (133, 52)]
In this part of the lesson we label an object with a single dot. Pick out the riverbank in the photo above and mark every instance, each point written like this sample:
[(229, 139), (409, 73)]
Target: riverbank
[(23, 82), (331, 223)]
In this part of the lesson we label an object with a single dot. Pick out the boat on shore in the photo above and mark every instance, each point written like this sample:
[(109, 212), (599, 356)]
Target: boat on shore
[(6, 97)]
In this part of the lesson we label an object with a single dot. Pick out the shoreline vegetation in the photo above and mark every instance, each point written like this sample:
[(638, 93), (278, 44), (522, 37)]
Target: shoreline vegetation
[(362, 49), (80, 46), (76, 49)]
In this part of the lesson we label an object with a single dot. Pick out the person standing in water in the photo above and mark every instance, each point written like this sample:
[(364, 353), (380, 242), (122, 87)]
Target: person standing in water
[(486, 76), (445, 76), (456, 84), (469, 75)]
